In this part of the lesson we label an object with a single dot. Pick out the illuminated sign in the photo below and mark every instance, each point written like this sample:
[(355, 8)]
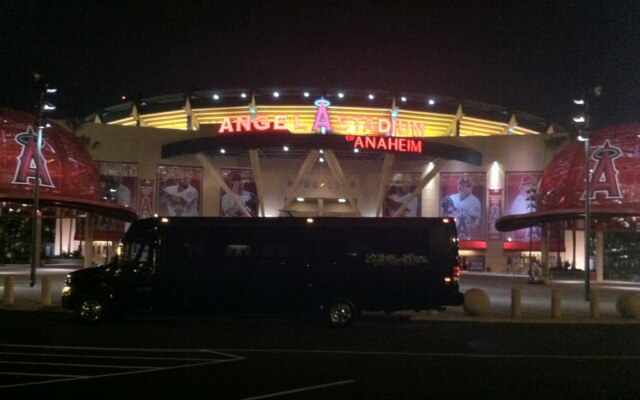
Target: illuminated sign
[(26, 166), (355, 122), (388, 143), (259, 123), (322, 120)]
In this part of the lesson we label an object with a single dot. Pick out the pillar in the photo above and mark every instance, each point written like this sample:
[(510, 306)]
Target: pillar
[(599, 255), (88, 240), (544, 249)]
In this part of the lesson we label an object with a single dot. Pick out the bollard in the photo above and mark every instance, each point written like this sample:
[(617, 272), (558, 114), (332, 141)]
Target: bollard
[(45, 296), (556, 303), (516, 302), (9, 290), (594, 303)]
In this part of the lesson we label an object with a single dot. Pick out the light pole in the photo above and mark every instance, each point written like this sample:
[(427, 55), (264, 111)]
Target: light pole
[(36, 227), (583, 123), (531, 193), (584, 137)]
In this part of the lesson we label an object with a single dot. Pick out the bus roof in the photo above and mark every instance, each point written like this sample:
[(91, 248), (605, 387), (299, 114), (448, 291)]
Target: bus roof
[(144, 227)]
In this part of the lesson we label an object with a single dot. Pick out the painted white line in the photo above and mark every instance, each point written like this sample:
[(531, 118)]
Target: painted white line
[(79, 365), (145, 369), (417, 354), (304, 389), (54, 355), (125, 349), (47, 375)]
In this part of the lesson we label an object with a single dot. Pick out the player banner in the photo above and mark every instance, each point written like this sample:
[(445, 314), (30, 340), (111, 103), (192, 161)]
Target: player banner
[(400, 187), (462, 197), (520, 198), (240, 181), (179, 191), (119, 184)]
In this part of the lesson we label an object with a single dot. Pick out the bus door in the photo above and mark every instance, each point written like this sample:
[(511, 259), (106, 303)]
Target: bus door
[(133, 278)]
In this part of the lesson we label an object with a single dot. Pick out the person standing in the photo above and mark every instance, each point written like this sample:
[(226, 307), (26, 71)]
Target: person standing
[(535, 271)]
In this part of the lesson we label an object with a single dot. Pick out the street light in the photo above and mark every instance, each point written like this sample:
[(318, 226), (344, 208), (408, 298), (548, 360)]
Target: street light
[(532, 194), (584, 137), (36, 227), (583, 123)]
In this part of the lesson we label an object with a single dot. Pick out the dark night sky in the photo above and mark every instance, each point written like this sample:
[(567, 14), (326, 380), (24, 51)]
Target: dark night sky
[(533, 56)]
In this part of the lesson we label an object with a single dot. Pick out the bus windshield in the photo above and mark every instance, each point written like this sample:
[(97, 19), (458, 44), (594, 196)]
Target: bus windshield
[(138, 254)]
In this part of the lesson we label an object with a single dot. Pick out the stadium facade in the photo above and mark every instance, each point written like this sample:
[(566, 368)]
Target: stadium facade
[(329, 152)]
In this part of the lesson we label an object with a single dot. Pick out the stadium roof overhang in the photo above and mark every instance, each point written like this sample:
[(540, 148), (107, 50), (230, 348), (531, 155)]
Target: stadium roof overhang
[(347, 145)]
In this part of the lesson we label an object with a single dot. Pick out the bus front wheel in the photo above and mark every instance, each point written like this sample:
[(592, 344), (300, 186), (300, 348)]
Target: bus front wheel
[(340, 312)]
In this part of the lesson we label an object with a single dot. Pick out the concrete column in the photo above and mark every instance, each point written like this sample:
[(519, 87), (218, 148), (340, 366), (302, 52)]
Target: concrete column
[(556, 303), (599, 256), (45, 295), (594, 303), (88, 240), (9, 290), (516, 302), (544, 249)]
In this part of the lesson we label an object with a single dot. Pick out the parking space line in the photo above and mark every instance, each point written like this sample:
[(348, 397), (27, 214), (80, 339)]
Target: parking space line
[(422, 354), (98, 357), (304, 389), (208, 357), (106, 366), (47, 375)]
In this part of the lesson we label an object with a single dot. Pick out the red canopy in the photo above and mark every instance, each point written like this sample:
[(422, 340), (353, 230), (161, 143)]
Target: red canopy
[(614, 161), (68, 177)]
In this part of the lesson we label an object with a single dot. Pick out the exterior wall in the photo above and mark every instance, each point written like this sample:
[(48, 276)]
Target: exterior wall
[(143, 146)]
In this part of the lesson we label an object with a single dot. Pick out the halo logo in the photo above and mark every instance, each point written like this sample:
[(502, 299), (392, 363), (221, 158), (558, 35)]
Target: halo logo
[(26, 168), (604, 178), (322, 117)]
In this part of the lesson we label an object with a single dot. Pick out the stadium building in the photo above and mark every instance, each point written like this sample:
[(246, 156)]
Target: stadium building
[(330, 152)]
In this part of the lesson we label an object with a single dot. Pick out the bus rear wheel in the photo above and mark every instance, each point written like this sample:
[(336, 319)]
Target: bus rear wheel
[(92, 310), (341, 312)]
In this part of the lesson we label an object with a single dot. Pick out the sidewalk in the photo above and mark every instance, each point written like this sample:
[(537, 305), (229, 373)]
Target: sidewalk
[(30, 298), (498, 286)]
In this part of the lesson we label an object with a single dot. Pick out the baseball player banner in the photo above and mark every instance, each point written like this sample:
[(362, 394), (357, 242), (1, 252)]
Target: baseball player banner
[(520, 198), (399, 189), (119, 184), (495, 212), (241, 182), (179, 191), (462, 197)]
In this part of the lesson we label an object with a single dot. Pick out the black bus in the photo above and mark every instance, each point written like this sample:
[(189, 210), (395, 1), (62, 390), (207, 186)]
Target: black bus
[(335, 266)]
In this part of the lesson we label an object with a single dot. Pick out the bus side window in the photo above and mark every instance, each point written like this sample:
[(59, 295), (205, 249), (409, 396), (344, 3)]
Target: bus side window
[(238, 251)]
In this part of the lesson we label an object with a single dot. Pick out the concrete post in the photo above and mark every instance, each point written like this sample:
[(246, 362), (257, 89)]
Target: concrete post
[(516, 303), (594, 303), (88, 241), (45, 295), (9, 290), (556, 303), (599, 256), (544, 249)]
